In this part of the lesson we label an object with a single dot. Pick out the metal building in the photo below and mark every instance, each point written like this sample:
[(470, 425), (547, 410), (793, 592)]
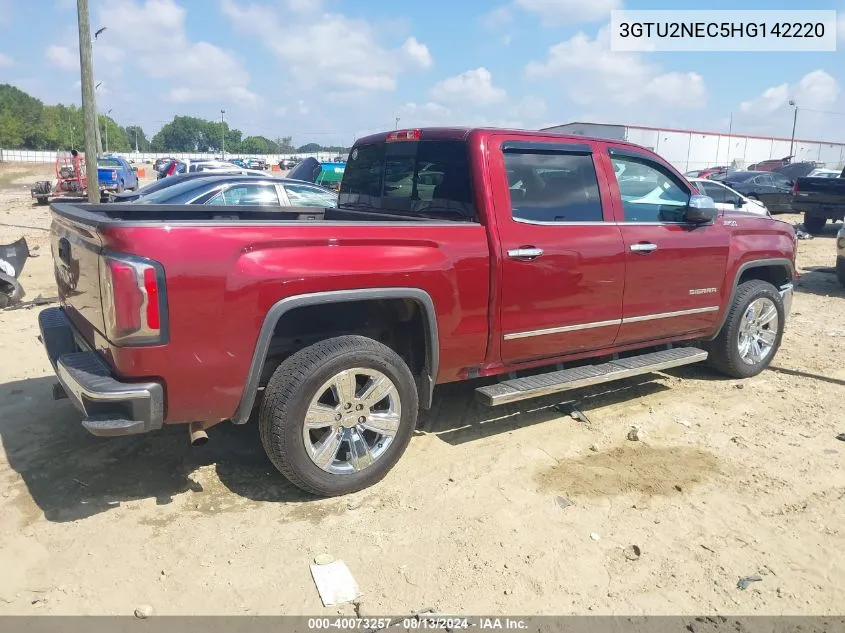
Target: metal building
[(692, 149)]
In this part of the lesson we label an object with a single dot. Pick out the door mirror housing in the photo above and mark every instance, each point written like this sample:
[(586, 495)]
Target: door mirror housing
[(700, 210), (740, 202)]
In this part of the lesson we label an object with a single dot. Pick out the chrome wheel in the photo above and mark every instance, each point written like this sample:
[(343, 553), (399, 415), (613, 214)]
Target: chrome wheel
[(352, 421), (758, 331)]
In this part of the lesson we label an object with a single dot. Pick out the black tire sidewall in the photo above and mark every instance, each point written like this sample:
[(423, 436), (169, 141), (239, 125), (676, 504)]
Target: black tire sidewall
[(840, 270), (293, 414), (814, 223), (761, 289)]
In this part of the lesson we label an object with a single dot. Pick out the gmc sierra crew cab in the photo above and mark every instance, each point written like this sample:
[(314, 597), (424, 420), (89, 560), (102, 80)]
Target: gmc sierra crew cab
[(453, 254)]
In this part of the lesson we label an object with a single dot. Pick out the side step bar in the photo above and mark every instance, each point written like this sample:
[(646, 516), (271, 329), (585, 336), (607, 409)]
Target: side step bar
[(578, 377)]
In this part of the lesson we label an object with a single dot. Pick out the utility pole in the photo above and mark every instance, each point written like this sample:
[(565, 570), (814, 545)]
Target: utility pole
[(89, 107), (222, 135), (397, 123), (794, 123), (136, 139), (108, 112)]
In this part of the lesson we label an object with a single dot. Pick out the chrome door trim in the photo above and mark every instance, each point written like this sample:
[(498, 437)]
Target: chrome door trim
[(587, 326), (526, 253), (559, 330)]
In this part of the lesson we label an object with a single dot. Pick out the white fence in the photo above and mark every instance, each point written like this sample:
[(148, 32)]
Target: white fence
[(39, 156)]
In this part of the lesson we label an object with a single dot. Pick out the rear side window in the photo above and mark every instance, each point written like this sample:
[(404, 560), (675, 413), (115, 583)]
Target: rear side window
[(423, 178), (552, 186)]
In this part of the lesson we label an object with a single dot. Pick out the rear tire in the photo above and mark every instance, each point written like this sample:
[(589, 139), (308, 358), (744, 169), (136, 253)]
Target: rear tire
[(294, 392), (840, 270), (42, 201), (120, 187), (737, 351), (814, 223)]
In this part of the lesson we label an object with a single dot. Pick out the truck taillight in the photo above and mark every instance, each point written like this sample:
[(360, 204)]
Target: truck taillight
[(133, 296), (795, 188), (403, 135)]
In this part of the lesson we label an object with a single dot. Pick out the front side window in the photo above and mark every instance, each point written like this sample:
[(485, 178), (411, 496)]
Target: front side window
[(247, 195), (653, 195), (552, 186)]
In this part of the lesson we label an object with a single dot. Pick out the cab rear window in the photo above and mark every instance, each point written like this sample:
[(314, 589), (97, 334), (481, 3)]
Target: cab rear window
[(423, 178)]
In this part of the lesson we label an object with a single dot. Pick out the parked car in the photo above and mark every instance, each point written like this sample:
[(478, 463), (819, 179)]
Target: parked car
[(728, 199), (161, 163), (158, 185), (820, 200), (770, 165), (793, 171), (240, 190), (840, 255), (287, 163), (706, 173), (255, 163), (453, 254), (114, 173), (190, 166), (771, 188), (324, 174)]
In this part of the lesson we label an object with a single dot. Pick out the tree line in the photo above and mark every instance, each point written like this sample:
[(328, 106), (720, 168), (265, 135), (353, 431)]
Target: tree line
[(26, 123)]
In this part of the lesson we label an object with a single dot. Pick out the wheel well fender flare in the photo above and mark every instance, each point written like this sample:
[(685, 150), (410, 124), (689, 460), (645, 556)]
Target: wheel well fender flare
[(278, 310), (757, 263)]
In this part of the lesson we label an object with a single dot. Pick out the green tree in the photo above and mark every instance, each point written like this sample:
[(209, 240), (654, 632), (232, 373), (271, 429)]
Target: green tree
[(259, 145), (136, 137), (309, 148), (26, 112)]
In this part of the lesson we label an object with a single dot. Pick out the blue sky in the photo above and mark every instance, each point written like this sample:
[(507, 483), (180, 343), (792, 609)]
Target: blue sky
[(330, 70)]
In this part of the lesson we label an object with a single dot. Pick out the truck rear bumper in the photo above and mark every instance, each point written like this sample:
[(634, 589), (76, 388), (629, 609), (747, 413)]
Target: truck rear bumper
[(111, 408)]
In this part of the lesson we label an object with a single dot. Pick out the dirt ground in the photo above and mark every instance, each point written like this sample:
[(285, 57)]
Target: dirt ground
[(730, 479)]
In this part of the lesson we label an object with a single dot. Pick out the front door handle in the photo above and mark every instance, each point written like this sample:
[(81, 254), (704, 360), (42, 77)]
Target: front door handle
[(643, 247), (525, 253)]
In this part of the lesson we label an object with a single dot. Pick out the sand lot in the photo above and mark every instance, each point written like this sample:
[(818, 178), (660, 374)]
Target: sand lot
[(730, 479)]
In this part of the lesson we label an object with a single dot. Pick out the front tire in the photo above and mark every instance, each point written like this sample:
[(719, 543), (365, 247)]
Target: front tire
[(337, 415), (752, 332), (814, 223)]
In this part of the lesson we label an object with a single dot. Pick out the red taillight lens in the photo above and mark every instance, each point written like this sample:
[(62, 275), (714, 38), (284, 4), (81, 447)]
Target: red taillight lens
[(403, 135), (132, 296), (795, 188), (153, 308), (126, 298)]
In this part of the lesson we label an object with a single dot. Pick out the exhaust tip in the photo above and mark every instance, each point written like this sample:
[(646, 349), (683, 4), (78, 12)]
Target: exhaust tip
[(197, 434)]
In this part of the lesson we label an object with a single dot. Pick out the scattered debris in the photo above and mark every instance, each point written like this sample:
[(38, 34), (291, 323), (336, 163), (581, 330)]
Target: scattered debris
[(703, 546), (323, 559), (739, 386), (685, 423), (143, 612), (841, 437), (335, 583), (745, 581), (632, 552), (802, 235), (572, 410), (81, 483), (564, 503), (595, 536), (594, 448), (354, 504), (634, 434)]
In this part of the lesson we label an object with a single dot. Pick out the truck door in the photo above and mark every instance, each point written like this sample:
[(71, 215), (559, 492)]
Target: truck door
[(675, 271), (562, 255)]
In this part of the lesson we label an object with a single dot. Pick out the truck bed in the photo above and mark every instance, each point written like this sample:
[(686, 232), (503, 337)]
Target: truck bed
[(820, 195), (98, 215)]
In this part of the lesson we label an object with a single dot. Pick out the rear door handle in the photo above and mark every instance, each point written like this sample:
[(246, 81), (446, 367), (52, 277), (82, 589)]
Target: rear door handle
[(644, 248), (525, 253)]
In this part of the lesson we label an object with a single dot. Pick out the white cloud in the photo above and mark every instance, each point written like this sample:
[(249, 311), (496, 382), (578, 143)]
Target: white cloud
[(153, 33), (558, 12), (498, 17), (6, 61), (361, 62), (473, 86), (63, 57), (417, 52), (814, 90), (594, 75)]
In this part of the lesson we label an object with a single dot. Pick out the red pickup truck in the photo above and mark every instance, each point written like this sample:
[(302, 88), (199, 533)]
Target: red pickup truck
[(453, 254)]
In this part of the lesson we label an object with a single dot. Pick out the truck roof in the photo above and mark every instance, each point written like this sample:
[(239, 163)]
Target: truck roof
[(462, 134)]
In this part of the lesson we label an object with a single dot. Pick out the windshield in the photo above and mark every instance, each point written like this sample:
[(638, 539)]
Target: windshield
[(108, 162), (422, 178)]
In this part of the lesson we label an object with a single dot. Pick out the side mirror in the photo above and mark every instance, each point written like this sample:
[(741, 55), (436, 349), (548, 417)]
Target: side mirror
[(740, 202), (700, 210)]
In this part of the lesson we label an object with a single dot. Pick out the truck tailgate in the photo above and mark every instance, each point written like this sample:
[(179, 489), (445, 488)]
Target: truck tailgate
[(107, 175), (823, 191), (76, 263)]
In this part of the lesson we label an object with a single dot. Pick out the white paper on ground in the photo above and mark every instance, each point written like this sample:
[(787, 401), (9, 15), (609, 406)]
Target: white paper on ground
[(334, 583)]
